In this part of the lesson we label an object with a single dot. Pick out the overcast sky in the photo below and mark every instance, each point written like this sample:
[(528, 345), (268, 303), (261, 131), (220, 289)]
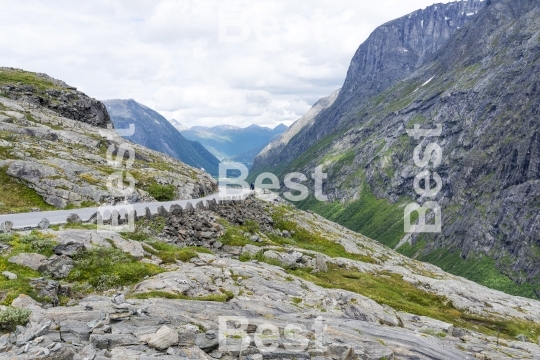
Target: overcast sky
[(201, 62)]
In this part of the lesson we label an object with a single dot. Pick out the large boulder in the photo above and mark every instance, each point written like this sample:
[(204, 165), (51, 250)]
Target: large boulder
[(164, 338), (56, 266), (69, 248), (31, 260)]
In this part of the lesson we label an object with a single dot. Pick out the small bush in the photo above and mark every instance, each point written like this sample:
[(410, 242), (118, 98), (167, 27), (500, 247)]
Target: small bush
[(107, 268), (37, 244), (5, 238), (11, 317), (162, 192)]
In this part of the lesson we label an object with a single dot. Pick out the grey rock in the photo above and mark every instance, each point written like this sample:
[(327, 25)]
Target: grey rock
[(203, 342), (78, 329), (58, 267), (47, 289), (44, 224), (69, 248), (31, 260), (31, 332), (320, 263), (284, 354), (110, 341), (9, 275), (186, 339), (118, 299), (164, 338), (74, 218), (6, 226), (87, 353)]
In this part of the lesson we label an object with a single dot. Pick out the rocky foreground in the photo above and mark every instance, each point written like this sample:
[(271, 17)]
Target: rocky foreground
[(248, 261)]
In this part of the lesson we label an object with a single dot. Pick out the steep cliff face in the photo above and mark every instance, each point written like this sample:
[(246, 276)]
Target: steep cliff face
[(43, 90), (391, 53), (154, 132), (482, 86)]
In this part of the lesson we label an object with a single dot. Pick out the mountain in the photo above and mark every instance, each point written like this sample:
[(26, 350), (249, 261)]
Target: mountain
[(271, 155), (178, 125), (391, 53), (482, 86), (234, 143), (57, 147), (154, 132)]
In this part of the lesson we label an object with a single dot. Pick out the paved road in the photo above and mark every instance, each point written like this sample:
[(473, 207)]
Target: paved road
[(31, 219)]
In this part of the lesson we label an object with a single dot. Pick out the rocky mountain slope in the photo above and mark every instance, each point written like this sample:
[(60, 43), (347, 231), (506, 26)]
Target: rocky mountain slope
[(273, 154), (234, 143), (55, 151), (159, 293), (482, 87), (391, 53), (154, 132)]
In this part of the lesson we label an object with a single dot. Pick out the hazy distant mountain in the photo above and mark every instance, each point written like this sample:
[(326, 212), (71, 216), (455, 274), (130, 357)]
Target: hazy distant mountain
[(229, 142), (178, 125), (155, 132)]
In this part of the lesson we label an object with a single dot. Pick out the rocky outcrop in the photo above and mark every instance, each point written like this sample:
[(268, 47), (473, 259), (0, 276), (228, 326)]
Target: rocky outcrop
[(44, 91), (68, 162)]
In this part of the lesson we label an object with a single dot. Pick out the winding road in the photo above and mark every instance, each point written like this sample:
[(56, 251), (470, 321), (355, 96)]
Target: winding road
[(31, 219)]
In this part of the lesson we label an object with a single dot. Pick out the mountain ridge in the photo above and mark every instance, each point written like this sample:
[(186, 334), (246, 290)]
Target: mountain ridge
[(153, 131)]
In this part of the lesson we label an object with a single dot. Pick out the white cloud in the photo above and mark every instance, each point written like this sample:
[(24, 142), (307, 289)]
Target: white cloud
[(167, 55)]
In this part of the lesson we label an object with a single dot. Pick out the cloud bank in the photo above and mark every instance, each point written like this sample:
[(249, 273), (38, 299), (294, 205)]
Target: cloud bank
[(204, 62)]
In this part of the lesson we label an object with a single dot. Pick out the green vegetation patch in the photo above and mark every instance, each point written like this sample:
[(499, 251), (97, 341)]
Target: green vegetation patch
[(234, 234), (480, 269), (375, 218), (11, 317), (390, 289), (25, 77), (17, 197), (35, 242), (223, 297), (162, 192), (107, 268), (309, 240), (170, 253)]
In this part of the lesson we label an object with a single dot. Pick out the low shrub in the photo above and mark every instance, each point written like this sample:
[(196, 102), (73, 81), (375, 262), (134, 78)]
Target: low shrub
[(11, 317), (162, 192)]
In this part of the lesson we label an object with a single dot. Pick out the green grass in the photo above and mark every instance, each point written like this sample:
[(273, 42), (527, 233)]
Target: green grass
[(223, 297), (234, 234), (25, 77), (34, 242), (162, 192), (375, 218), (170, 253), (390, 289), (16, 197), (308, 240), (108, 268), (480, 269)]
